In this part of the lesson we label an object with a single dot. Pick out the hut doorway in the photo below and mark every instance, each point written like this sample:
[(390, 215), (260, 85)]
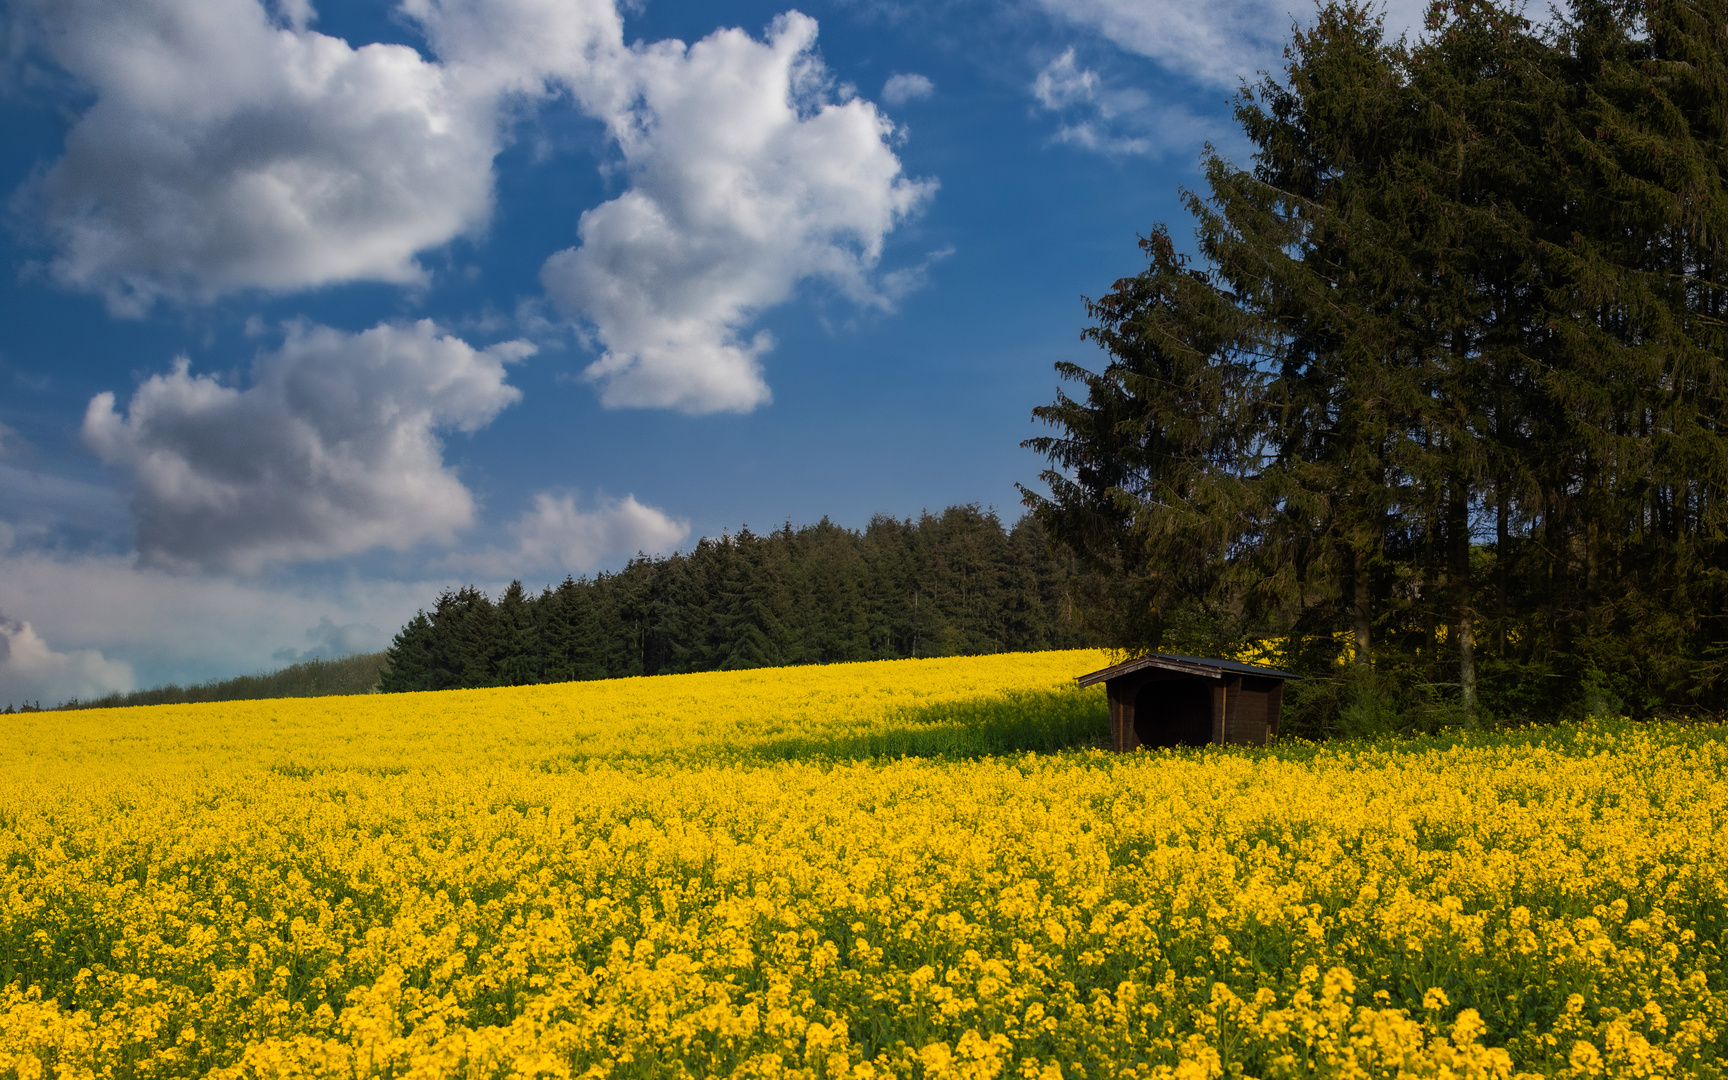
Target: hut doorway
[(1174, 712)]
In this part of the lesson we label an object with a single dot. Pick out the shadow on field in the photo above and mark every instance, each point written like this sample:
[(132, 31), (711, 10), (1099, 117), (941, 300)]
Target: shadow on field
[(1040, 722), (1037, 722)]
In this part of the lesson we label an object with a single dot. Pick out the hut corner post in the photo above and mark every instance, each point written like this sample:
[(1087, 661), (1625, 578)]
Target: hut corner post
[(1122, 737)]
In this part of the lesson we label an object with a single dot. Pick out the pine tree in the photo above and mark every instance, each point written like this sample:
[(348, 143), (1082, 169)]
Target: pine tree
[(465, 650), (518, 649), (569, 632), (408, 661), (829, 588)]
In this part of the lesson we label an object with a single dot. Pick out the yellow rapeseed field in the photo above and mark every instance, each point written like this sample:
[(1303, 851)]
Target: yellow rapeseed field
[(824, 873)]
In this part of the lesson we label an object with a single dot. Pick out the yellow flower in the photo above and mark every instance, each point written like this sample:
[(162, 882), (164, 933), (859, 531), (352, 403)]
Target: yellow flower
[(736, 875)]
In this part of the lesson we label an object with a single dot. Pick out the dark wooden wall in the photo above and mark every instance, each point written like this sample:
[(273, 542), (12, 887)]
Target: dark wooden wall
[(1245, 709), (1252, 710)]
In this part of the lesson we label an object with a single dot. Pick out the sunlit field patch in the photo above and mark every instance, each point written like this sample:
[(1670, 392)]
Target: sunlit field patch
[(864, 870), (887, 706)]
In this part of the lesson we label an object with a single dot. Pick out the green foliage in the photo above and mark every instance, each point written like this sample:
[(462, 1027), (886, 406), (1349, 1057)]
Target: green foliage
[(951, 584), (1600, 700), (1357, 701), (1447, 382), (358, 674)]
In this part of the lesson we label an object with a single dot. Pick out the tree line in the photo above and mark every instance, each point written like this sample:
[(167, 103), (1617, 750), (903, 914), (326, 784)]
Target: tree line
[(317, 677), (949, 584), (1442, 389)]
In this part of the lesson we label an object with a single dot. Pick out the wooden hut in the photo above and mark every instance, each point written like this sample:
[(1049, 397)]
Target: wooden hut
[(1165, 700)]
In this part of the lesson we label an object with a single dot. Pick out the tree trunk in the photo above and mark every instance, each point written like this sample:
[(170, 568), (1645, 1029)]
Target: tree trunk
[(1467, 663), (1359, 606), (1464, 599), (1502, 538)]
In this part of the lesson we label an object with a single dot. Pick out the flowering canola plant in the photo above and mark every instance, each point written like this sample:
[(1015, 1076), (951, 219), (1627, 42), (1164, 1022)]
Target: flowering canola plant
[(545, 881)]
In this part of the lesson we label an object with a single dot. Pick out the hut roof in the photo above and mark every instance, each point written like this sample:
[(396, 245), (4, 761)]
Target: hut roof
[(1188, 665)]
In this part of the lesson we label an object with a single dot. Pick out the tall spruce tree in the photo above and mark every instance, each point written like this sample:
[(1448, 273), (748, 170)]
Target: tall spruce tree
[(1144, 486), (408, 661), (1462, 325), (518, 645), (1247, 450)]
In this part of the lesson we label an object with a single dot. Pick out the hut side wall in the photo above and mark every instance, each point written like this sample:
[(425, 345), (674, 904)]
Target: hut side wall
[(1249, 723), (1253, 713)]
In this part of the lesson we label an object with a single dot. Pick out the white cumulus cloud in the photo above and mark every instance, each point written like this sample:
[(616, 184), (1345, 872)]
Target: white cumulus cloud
[(557, 534), (904, 87), (1064, 83), (746, 178), (224, 151), (1217, 42), (31, 671), (221, 626), (519, 45), (332, 449), (230, 146)]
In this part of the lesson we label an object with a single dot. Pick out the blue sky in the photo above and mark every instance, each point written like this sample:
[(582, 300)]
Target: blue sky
[(310, 313)]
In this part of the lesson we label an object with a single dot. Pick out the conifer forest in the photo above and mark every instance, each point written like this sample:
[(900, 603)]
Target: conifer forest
[(1437, 395), (949, 584)]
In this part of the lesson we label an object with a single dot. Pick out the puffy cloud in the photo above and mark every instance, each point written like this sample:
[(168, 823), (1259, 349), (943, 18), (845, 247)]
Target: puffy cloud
[(31, 671), (556, 534), (332, 449), (1216, 43), (295, 13), (1064, 83), (746, 178), (224, 151), (497, 46), (901, 88), (112, 607), (220, 626), (228, 150)]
